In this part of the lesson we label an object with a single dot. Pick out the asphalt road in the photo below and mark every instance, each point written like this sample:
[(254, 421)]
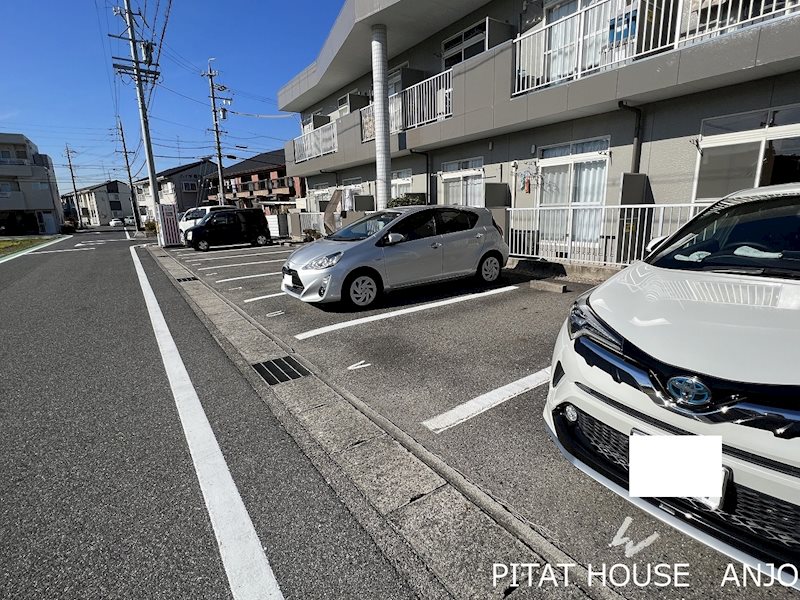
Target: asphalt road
[(412, 367), (99, 496)]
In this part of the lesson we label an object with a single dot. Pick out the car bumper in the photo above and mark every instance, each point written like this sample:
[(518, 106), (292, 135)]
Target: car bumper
[(759, 521), (308, 285)]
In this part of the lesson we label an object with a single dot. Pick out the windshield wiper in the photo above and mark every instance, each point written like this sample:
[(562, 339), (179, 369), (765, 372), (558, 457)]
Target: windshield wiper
[(757, 271)]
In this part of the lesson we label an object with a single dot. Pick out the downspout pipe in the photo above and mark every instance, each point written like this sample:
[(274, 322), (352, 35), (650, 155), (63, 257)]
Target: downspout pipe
[(636, 159), (427, 173)]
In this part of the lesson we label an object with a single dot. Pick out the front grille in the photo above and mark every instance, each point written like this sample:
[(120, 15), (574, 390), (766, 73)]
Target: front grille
[(761, 525), (297, 283)]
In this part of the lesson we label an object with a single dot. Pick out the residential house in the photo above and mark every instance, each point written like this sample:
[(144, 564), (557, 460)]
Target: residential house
[(29, 202), (261, 181), (100, 203), (185, 186), (561, 113)]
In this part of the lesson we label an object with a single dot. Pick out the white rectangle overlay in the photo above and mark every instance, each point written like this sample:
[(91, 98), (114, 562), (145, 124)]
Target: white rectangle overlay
[(675, 466)]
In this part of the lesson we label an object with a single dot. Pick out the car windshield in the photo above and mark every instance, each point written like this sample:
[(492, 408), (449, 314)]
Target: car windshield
[(364, 228), (760, 237), (206, 217)]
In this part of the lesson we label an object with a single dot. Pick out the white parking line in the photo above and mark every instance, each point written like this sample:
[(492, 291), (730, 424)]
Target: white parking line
[(234, 289), (65, 250), (218, 249), (33, 249), (474, 407), (264, 297), (249, 573), (247, 277), (198, 260), (255, 262), (127, 234), (402, 311)]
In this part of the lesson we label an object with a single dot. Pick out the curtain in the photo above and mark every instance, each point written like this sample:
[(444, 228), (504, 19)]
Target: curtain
[(474, 191), (562, 41), (588, 189)]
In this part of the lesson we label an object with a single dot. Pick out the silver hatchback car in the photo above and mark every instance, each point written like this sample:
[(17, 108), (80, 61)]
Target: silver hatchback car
[(397, 248)]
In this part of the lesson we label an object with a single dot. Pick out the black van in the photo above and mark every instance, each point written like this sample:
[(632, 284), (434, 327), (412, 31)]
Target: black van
[(222, 227)]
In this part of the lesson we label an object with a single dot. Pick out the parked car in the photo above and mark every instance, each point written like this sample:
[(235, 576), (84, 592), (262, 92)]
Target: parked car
[(129, 221), (232, 226), (116, 223), (396, 248), (700, 338), (194, 215)]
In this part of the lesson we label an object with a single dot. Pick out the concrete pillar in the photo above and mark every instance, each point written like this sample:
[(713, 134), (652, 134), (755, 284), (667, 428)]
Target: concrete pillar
[(380, 90)]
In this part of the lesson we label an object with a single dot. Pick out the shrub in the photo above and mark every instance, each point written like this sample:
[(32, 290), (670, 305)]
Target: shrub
[(404, 200), (150, 226), (310, 235)]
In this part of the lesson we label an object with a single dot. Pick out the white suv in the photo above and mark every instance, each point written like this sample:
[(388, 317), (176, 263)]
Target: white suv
[(701, 338), (193, 216)]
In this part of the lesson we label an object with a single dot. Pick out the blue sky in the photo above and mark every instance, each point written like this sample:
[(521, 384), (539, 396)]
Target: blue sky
[(57, 85)]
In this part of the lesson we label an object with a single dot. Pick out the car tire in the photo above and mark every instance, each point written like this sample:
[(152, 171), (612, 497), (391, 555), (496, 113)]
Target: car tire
[(202, 245), (361, 290), (489, 269), (261, 240)]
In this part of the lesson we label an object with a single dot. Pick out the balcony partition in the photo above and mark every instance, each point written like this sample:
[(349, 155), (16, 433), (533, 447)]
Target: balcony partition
[(316, 143)]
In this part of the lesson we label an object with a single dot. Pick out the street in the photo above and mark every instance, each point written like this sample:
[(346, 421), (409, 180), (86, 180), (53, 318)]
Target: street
[(105, 496)]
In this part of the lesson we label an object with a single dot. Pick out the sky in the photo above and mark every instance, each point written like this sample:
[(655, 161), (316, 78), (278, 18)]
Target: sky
[(57, 85)]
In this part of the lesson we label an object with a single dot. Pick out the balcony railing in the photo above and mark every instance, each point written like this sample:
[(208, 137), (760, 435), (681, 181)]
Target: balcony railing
[(612, 32), (425, 102), (316, 143)]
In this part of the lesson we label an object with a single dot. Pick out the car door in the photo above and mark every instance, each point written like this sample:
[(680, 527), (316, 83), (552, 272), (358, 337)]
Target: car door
[(219, 232), (462, 241), (242, 230), (418, 258)]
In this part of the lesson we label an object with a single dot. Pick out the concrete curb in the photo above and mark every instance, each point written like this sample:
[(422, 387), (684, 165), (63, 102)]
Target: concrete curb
[(541, 269)]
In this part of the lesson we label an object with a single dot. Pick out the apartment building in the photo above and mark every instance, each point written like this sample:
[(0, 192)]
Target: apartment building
[(595, 124), (185, 186), (100, 203), (260, 181), (29, 202)]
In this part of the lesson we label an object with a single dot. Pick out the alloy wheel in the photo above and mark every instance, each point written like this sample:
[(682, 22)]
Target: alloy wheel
[(363, 290), (490, 269), (261, 240), (203, 245)]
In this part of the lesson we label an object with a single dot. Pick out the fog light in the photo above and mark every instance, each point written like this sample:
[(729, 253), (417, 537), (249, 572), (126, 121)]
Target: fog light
[(571, 413), (324, 286)]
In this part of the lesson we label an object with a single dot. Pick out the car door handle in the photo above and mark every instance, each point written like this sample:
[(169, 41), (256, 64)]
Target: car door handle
[(436, 245)]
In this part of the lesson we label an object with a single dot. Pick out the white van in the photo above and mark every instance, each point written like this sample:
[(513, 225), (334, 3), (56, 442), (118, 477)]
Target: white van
[(192, 216)]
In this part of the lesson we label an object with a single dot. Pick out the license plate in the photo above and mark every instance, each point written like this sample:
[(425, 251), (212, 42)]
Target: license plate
[(287, 281), (710, 502)]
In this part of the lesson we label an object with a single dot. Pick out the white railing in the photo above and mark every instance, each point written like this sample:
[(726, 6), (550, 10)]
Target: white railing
[(611, 32), (605, 235), (316, 143), (395, 118)]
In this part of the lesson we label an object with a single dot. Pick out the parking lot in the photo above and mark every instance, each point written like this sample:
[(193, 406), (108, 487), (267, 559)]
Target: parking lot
[(439, 362)]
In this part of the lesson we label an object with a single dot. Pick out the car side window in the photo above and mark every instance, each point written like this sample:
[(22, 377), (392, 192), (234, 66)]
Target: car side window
[(453, 221), (223, 219), (417, 225)]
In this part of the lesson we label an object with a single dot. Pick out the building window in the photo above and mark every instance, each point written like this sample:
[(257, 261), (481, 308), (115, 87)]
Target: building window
[(465, 44), (401, 183), (5, 153), (352, 183), (463, 182), (189, 186), (22, 154), (747, 150), (9, 186), (115, 205)]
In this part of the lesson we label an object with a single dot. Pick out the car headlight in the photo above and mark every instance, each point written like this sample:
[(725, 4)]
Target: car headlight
[(188, 235), (323, 262), (583, 322)]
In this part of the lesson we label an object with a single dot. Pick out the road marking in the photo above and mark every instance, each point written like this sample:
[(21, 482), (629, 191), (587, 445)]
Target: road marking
[(264, 297), (403, 311), (199, 260), (32, 249), (474, 407), (247, 277), (234, 289), (217, 249), (255, 262), (65, 250), (127, 235), (359, 365), (249, 573), (277, 313), (210, 274)]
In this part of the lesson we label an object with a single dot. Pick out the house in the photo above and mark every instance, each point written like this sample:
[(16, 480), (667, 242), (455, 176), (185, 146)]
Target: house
[(100, 203), (591, 127), (29, 202), (185, 186), (260, 181)]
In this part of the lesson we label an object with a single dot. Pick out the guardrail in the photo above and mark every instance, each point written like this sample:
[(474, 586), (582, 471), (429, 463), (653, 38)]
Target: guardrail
[(608, 33), (602, 235), (316, 143)]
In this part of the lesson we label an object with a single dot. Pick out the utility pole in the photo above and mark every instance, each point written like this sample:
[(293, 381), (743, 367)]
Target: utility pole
[(139, 73), (137, 218), (211, 74), (74, 187)]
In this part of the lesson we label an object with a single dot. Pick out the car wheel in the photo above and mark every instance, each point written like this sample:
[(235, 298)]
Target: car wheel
[(202, 245), (262, 240), (362, 290), (489, 269)]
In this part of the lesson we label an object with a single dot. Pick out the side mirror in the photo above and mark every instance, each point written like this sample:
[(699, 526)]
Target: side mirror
[(652, 244), (394, 238)]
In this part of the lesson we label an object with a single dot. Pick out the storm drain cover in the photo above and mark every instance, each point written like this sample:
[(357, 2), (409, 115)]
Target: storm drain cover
[(182, 279), (280, 370)]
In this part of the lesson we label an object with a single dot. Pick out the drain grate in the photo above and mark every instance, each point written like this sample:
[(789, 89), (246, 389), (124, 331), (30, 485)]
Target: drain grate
[(182, 279), (280, 370)]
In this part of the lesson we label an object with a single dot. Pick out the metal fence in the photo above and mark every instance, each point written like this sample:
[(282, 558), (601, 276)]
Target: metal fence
[(607, 33), (603, 235), (316, 143)]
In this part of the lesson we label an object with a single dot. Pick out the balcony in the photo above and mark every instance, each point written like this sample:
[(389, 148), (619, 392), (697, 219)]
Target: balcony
[(425, 102), (611, 33), (319, 142)]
